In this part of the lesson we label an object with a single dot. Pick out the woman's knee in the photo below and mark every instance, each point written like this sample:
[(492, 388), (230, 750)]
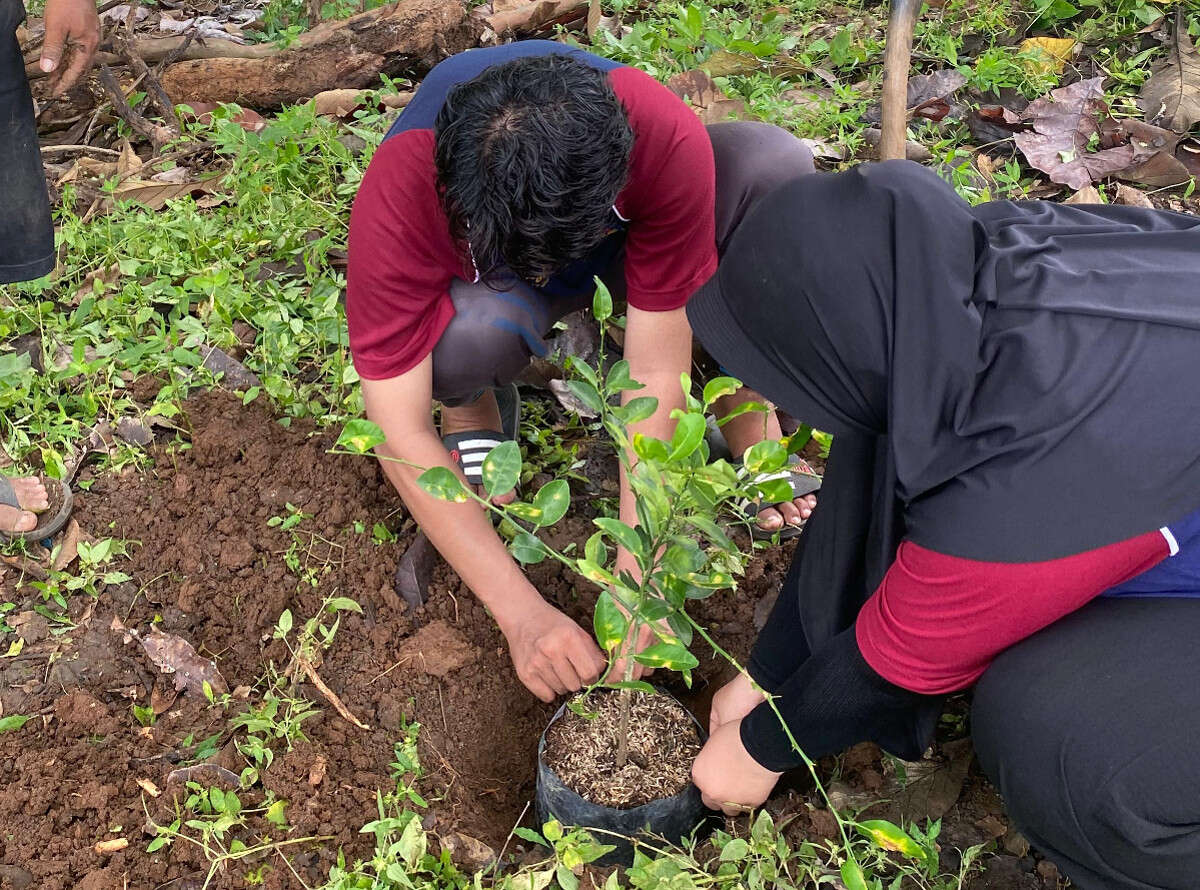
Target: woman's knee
[(1087, 735)]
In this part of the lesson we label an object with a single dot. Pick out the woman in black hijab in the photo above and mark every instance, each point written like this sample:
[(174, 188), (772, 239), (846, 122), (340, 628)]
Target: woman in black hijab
[(1012, 500)]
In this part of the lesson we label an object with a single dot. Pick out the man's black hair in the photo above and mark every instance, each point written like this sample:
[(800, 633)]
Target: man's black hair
[(531, 155)]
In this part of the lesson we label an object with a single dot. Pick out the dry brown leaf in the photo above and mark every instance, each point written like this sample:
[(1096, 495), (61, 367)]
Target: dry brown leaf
[(706, 99), (1066, 129), (1086, 195), (1132, 197), (149, 787), (128, 163), (1171, 97), (86, 167), (933, 792), (105, 275), (594, 14), (162, 699), (69, 548), (724, 63), (175, 655), (155, 195)]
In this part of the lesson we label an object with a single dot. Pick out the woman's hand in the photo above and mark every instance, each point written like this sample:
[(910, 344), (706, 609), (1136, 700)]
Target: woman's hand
[(730, 779), (733, 701)]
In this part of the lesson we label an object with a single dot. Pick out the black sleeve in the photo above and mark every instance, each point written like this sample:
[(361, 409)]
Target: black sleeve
[(835, 700)]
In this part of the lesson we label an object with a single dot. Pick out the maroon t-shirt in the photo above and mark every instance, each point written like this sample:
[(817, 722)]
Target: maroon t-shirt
[(403, 259)]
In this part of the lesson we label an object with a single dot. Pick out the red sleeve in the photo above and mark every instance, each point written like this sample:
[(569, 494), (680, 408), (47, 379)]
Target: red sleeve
[(401, 262), (937, 622), (670, 198)]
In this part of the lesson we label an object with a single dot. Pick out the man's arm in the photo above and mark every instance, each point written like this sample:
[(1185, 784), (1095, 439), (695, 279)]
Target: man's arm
[(551, 653)]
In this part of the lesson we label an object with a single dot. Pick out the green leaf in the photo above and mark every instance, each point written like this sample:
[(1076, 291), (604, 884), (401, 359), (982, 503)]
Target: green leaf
[(623, 534), (671, 656), (891, 837), (412, 843), (501, 468), (566, 878), (527, 549), (343, 604), (689, 433), (276, 813), (217, 798), (552, 831), (744, 408), (734, 850), (552, 499), (594, 550), (443, 484), (774, 491), (12, 722), (360, 436), (594, 573), (158, 843), (852, 876), (765, 457), (710, 530), (530, 835), (635, 685), (609, 622), (637, 410), (619, 379), (719, 387), (650, 448), (522, 510), (602, 304), (588, 394), (797, 440)]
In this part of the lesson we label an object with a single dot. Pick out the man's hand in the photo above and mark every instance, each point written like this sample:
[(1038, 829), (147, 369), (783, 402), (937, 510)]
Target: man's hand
[(733, 701), (551, 653), (73, 31), (730, 779)]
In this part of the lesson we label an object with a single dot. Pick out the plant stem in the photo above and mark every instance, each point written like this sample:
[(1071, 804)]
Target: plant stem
[(626, 697)]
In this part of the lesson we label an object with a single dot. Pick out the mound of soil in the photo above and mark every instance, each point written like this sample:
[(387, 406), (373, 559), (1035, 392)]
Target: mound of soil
[(208, 566)]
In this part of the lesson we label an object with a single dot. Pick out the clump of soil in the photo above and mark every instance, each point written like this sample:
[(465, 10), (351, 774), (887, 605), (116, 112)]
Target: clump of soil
[(663, 742)]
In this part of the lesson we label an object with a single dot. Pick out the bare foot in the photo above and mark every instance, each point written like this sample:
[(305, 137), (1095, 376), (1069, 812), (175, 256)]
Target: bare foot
[(482, 414), (31, 495), (749, 429)]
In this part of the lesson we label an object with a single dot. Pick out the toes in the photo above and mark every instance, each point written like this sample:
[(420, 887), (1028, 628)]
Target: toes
[(791, 513), (805, 506), (770, 519), (31, 493), (13, 520)]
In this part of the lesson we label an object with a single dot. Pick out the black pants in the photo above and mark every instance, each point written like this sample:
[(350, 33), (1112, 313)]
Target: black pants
[(1091, 731), (26, 229), (493, 335)]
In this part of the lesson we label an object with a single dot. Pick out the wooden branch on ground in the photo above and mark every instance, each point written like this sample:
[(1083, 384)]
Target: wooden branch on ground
[(156, 134), (406, 37), (156, 49), (534, 16)]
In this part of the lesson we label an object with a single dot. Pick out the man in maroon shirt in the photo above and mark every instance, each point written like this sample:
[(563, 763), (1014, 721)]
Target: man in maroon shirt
[(514, 177)]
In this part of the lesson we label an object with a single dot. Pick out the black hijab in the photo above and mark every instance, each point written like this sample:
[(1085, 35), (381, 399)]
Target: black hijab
[(1014, 382)]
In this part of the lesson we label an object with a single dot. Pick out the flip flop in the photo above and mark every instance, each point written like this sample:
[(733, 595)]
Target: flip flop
[(48, 527), (804, 480), (470, 447)]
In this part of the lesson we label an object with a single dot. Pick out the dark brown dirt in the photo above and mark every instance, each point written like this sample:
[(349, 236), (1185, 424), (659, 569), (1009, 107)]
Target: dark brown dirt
[(207, 566)]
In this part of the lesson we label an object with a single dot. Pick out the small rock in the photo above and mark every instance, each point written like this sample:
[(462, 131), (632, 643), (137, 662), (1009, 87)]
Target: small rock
[(235, 375), (1049, 871), (134, 431), (1015, 842), (16, 877)]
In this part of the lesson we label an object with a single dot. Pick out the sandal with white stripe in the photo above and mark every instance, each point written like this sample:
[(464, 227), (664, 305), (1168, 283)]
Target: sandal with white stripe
[(470, 447), (804, 480)]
